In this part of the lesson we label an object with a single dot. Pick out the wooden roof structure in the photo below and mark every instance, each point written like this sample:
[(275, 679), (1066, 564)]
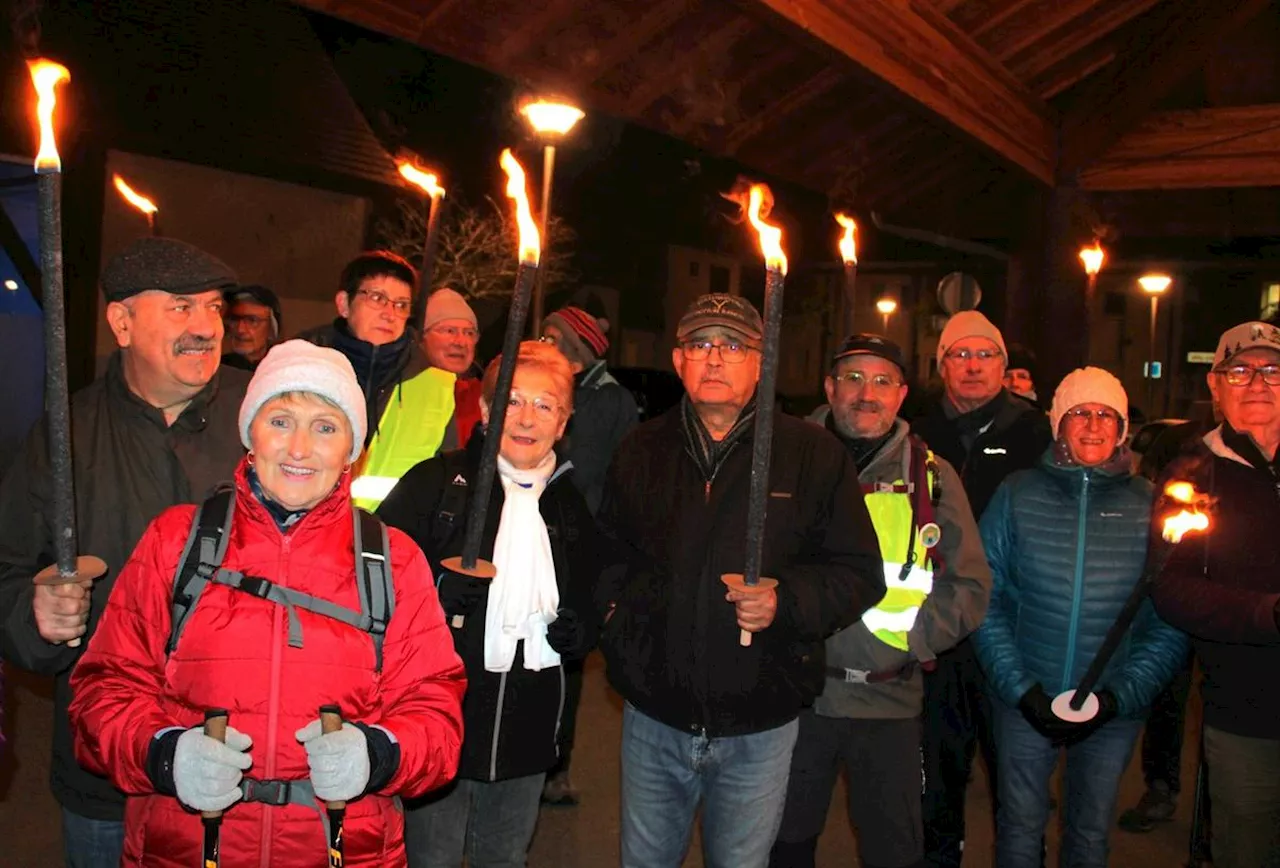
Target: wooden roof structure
[(935, 110)]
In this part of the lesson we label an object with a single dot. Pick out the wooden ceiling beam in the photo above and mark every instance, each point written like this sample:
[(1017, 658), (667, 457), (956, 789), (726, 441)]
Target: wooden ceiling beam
[(991, 22), (917, 50), (1226, 147), (531, 31), (1075, 69), (657, 18), (1110, 17), (785, 105), (1104, 16), (654, 86), (1162, 54), (927, 175)]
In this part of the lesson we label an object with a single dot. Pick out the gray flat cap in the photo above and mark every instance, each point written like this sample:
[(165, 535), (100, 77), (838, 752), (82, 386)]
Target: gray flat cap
[(166, 264)]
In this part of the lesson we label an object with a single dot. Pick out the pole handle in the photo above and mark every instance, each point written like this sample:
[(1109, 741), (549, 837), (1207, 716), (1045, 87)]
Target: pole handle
[(215, 726), (331, 721), (744, 638)]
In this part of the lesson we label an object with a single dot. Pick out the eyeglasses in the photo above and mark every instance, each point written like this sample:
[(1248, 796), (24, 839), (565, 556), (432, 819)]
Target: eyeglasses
[(544, 409), (455, 332), (1082, 415), (731, 353), (249, 319), (1242, 375), (983, 356), (857, 379), (379, 300)]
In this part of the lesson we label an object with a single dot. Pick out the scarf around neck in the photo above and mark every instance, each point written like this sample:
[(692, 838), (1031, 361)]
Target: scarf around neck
[(707, 452), (524, 596)]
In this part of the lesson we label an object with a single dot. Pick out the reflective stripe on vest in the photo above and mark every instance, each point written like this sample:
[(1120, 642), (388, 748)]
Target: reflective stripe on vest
[(895, 615), (412, 428)]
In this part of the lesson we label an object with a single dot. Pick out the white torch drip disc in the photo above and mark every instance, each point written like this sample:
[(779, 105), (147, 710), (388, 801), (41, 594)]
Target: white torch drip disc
[(1062, 707)]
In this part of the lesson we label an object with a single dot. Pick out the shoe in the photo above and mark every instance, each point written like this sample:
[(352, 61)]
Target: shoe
[(559, 790), (1157, 805)]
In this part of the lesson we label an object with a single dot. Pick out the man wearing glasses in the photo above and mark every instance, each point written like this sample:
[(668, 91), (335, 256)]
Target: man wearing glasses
[(1223, 587), (410, 404), (450, 332), (868, 717), (708, 721), (253, 325), (986, 433)]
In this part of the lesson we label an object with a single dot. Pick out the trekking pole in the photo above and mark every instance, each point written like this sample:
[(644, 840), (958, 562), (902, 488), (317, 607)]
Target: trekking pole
[(331, 721), (1198, 842), (215, 726)]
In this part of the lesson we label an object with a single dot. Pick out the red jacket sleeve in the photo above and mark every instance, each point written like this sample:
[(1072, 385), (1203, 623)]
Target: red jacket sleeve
[(422, 678), (116, 686)]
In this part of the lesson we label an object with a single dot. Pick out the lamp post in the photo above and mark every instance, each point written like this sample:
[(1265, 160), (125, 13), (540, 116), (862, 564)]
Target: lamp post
[(1153, 285), (886, 306), (551, 121), (1092, 258)]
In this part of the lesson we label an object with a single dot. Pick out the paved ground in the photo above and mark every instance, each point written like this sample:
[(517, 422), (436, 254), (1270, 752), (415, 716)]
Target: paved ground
[(581, 837)]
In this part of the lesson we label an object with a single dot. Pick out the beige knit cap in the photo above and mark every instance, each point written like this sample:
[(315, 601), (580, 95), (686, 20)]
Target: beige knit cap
[(1090, 386), (969, 324), (446, 303)]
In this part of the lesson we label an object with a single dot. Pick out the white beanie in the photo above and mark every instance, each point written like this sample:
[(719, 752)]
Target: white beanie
[(1090, 386), (969, 324), (301, 366), (446, 304)]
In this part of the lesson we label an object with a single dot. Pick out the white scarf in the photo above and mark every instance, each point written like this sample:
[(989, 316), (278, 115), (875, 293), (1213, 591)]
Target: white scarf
[(523, 597)]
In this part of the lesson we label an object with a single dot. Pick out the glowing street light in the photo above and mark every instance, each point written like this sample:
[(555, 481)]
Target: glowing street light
[(552, 121), (886, 306), (1153, 285)]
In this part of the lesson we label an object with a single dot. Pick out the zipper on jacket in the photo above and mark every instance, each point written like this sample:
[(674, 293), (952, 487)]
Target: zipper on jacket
[(273, 698), (497, 728), (559, 713), (1078, 589)]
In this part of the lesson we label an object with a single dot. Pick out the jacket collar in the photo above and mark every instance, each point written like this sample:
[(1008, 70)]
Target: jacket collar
[(889, 452), (334, 508), (1218, 442), (1057, 461), (192, 418)]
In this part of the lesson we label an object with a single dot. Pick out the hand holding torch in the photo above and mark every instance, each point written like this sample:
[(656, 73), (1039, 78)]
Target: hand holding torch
[(331, 721), (215, 726)]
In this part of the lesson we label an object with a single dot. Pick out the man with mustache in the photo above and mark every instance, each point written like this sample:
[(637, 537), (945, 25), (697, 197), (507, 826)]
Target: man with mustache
[(868, 717), (157, 429), (986, 433), (1223, 587), (707, 720)]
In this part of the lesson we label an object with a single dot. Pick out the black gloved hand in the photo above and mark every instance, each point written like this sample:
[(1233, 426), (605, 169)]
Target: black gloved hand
[(1037, 708), (459, 594), (566, 633), (1108, 708)]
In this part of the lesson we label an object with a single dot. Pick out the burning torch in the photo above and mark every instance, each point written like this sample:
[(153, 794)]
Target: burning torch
[(429, 184), (775, 260), (67, 567), (137, 200), (1081, 705), (849, 254), (469, 564)]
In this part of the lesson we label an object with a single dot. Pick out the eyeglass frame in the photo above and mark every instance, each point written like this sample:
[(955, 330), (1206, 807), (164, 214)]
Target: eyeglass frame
[(252, 319), (965, 355), (402, 307), (889, 382), (1254, 372), (517, 403), (705, 353), (1106, 416), (470, 333)]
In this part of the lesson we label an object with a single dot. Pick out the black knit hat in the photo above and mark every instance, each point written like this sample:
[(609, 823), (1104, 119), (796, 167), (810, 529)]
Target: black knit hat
[(728, 311), (1021, 358), (869, 344), (166, 264)]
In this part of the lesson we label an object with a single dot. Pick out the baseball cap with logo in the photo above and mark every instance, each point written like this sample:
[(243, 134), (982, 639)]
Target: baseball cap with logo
[(728, 311), (1246, 336), (872, 345)]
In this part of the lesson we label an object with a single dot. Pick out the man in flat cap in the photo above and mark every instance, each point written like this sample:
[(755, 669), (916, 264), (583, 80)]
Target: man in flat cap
[(707, 720), (157, 429)]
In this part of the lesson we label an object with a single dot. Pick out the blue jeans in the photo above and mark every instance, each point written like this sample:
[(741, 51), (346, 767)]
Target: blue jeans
[(1092, 778), (88, 843), (741, 782), (489, 823)]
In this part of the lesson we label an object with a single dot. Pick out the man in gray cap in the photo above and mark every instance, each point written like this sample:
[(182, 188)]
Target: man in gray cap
[(868, 717), (157, 429), (707, 720)]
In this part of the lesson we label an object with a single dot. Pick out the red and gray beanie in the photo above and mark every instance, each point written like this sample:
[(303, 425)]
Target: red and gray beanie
[(584, 335)]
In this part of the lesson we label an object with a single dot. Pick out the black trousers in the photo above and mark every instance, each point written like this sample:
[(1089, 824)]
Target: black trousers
[(957, 720), (1162, 742)]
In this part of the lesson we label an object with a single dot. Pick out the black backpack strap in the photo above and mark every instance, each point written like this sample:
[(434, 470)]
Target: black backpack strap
[(206, 547), (451, 511), (373, 576)]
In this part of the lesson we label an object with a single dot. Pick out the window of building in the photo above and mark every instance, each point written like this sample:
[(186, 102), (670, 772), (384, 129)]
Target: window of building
[(719, 279)]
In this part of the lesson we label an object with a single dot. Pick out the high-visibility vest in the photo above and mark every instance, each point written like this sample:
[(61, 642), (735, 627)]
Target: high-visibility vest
[(908, 567), (411, 430)]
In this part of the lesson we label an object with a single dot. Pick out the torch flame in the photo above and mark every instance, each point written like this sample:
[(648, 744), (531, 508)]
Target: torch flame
[(137, 200), (1176, 526), (429, 183), (849, 241), (1093, 257), (770, 236), (1182, 492), (529, 241), (46, 76)]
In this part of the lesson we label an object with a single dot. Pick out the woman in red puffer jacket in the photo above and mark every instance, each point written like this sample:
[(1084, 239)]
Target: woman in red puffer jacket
[(138, 710)]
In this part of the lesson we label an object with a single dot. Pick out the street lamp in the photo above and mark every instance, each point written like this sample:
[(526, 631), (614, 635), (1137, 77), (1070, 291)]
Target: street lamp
[(886, 306), (1153, 285), (551, 121)]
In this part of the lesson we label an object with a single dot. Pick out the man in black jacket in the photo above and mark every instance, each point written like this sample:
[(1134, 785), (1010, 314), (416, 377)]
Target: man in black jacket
[(157, 429), (986, 433), (708, 720)]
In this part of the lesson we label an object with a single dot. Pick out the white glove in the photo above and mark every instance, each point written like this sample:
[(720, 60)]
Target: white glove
[(339, 761), (206, 772)]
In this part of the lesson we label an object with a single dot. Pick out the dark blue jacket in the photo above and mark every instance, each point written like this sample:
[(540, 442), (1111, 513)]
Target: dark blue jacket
[(1066, 545)]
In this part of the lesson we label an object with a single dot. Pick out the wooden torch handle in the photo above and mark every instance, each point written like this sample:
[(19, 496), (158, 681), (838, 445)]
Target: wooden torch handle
[(215, 726), (331, 721)]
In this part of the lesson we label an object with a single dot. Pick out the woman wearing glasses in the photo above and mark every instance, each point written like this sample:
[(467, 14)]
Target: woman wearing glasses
[(514, 632), (1067, 541)]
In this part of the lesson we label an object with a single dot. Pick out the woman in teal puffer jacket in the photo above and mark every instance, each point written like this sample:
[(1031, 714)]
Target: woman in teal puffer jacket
[(1067, 542)]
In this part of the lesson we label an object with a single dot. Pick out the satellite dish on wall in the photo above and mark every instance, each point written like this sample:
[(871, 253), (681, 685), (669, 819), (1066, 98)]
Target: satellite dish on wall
[(958, 291)]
